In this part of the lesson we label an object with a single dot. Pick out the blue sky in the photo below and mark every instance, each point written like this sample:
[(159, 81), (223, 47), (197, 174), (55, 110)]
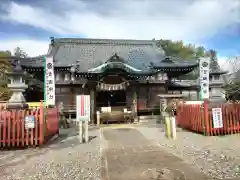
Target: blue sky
[(212, 23)]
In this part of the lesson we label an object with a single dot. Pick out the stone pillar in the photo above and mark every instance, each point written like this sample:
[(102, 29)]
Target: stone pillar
[(198, 95), (98, 118), (163, 106), (93, 105)]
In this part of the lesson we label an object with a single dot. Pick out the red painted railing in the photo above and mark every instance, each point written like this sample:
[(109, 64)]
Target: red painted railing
[(231, 120), (13, 131), (52, 121), (191, 117)]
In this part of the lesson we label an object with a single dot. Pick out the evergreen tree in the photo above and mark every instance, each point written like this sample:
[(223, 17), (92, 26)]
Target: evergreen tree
[(5, 66), (214, 66)]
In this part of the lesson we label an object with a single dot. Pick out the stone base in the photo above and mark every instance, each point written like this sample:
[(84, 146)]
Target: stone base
[(17, 97)]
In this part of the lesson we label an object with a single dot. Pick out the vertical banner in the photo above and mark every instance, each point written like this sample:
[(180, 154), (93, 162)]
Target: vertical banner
[(49, 81), (83, 107), (204, 65)]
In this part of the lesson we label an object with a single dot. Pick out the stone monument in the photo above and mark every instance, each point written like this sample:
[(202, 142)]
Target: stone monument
[(17, 86)]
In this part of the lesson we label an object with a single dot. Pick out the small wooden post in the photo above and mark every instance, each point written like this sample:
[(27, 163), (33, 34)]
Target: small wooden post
[(86, 131), (98, 118), (80, 126), (173, 128), (41, 119), (167, 127)]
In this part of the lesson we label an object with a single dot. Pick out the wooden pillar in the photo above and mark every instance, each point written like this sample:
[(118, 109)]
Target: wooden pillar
[(72, 96), (148, 96), (93, 105), (135, 104)]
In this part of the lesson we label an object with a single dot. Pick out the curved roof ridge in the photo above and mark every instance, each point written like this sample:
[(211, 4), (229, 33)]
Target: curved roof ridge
[(103, 41)]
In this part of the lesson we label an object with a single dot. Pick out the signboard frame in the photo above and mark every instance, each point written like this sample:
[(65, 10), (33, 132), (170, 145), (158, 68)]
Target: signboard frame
[(30, 122), (217, 119)]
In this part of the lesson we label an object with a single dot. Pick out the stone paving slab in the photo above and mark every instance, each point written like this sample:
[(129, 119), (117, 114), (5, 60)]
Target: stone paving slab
[(131, 156)]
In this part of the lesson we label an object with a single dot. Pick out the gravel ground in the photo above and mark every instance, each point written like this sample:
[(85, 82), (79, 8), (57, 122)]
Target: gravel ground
[(218, 157), (66, 159)]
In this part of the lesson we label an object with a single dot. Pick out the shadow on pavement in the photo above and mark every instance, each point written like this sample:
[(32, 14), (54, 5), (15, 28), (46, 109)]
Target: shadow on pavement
[(67, 138)]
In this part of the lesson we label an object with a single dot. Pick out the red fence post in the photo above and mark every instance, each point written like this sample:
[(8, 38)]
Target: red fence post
[(41, 124), (206, 119)]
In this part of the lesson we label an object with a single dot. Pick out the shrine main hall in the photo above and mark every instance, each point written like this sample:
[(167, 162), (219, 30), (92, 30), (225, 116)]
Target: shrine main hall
[(115, 73)]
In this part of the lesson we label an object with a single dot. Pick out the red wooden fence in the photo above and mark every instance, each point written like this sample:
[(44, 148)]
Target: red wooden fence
[(52, 122), (14, 134), (191, 117)]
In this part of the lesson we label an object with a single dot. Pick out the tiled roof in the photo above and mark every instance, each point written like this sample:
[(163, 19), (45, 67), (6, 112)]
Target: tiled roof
[(184, 83), (176, 62), (94, 52), (217, 71), (29, 61), (90, 53)]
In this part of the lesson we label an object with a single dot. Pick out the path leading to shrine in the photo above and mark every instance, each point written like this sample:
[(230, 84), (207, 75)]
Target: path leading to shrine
[(127, 154), (131, 152)]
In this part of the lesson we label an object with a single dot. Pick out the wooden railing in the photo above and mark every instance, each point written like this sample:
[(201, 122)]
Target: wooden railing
[(191, 117), (15, 133), (69, 108)]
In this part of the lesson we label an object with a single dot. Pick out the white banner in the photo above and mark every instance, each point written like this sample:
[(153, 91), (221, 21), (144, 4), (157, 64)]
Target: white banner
[(204, 65), (50, 81), (83, 107)]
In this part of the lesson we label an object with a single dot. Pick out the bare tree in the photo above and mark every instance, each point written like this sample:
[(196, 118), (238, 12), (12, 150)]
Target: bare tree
[(232, 79), (18, 52)]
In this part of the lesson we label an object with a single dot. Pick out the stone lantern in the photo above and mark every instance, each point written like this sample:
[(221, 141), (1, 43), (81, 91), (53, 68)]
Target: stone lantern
[(17, 86)]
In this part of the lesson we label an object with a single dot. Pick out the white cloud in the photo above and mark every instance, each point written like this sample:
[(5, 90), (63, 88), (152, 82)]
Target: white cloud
[(33, 48), (136, 19), (133, 19)]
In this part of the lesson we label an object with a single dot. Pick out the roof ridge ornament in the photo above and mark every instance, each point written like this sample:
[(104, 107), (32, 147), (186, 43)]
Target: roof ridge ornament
[(52, 41), (167, 59), (115, 58)]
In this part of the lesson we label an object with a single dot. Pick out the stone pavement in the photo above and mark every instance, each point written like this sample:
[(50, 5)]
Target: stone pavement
[(65, 159), (129, 155), (114, 153)]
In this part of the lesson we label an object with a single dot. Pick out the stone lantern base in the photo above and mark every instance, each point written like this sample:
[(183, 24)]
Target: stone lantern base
[(17, 101), (17, 97)]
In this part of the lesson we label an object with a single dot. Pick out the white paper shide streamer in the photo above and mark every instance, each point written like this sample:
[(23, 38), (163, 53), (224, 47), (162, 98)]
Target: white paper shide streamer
[(112, 87)]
